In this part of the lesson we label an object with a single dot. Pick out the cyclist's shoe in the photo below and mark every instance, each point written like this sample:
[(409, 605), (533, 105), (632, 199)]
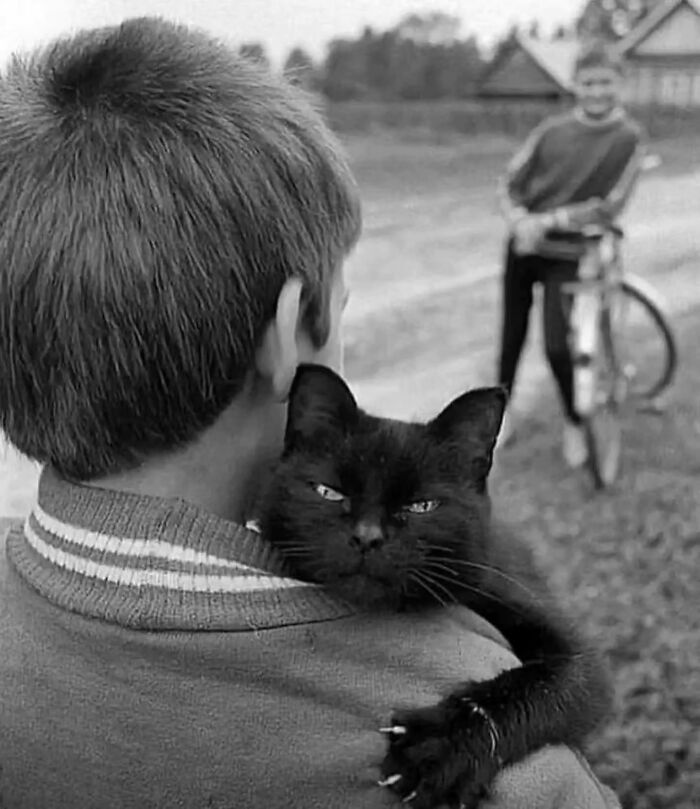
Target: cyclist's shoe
[(574, 447)]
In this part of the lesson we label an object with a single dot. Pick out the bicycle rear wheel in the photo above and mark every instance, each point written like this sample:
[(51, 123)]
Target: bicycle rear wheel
[(644, 341), (602, 423)]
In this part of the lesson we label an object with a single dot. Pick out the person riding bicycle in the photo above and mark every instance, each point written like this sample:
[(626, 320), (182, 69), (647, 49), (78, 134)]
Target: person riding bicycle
[(575, 169)]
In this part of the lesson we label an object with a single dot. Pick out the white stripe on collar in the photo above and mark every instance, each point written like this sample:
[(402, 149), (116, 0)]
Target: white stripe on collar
[(185, 581)]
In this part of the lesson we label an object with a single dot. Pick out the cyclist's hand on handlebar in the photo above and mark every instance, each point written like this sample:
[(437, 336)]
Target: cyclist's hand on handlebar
[(593, 211), (528, 232)]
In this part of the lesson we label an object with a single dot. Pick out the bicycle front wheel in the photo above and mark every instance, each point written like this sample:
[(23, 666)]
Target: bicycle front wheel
[(602, 423), (644, 341)]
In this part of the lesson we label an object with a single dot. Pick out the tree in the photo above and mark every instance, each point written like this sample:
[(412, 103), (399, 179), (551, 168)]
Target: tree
[(560, 32), (345, 71), (612, 19), (435, 28), (534, 29), (418, 59), (299, 69), (254, 51)]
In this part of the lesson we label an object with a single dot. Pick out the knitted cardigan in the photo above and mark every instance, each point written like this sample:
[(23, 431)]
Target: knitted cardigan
[(156, 656)]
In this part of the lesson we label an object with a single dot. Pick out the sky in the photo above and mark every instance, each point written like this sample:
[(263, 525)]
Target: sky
[(279, 24)]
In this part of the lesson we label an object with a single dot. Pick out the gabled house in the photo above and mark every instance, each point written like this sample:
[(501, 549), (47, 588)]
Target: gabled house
[(531, 68), (612, 19), (662, 54)]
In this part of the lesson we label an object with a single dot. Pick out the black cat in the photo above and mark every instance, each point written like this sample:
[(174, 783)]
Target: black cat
[(395, 515)]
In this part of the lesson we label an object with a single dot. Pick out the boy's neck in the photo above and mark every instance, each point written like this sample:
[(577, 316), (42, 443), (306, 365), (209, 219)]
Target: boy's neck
[(220, 471), (614, 114)]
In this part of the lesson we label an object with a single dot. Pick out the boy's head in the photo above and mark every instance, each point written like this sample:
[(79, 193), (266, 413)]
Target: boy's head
[(597, 80), (157, 192)]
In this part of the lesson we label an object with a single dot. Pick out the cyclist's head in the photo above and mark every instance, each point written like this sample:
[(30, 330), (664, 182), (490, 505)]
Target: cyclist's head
[(158, 192), (598, 73)]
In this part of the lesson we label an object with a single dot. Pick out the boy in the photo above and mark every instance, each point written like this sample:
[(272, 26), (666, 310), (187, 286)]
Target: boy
[(174, 228), (574, 169)]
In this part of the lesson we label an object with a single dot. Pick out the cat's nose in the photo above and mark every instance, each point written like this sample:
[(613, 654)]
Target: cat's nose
[(367, 535)]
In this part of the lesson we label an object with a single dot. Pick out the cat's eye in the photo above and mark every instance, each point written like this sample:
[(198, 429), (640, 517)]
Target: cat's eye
[(327, 493), (422, 506)]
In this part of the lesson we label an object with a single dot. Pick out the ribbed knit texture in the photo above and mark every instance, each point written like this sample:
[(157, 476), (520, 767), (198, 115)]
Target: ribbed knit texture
[(150, 563)]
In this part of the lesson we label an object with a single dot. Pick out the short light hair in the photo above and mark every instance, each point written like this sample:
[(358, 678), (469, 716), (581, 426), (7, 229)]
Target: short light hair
[(156, 192), (598, 53)]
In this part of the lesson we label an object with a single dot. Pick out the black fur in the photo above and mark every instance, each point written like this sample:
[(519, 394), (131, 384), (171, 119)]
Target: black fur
[(369, 549)]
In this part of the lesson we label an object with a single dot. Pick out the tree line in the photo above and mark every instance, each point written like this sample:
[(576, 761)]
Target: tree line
[(424, 56)]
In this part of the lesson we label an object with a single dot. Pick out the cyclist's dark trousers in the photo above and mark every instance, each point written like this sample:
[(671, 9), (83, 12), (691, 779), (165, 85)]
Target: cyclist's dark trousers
[(521, 274)]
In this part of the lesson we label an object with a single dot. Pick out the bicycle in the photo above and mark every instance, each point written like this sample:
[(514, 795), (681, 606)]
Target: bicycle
[(605, 300)]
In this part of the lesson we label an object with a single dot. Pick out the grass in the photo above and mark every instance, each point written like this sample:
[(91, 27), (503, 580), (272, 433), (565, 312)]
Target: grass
[(627, 562)]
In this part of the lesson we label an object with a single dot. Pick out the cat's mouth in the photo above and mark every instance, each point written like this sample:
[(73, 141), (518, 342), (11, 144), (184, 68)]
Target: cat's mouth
[(362, 573), (372, 569)]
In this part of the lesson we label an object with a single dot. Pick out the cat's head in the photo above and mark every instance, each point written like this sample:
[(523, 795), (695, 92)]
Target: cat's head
[(381, 510)]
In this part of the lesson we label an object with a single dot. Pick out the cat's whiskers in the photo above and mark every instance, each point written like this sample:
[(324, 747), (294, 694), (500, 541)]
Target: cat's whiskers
[(436, 565), (465, 586), (428, 589), (488, 569), (428, 582), (446, 548)]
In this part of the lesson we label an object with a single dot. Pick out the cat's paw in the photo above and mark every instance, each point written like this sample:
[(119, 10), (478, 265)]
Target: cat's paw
[(442, 755)]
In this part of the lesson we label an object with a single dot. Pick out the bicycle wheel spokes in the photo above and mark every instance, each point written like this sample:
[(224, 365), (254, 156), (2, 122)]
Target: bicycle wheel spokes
[(644, 343)]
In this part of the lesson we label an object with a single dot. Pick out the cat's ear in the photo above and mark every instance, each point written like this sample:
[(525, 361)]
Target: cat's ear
[(320, 405), (472, 421)]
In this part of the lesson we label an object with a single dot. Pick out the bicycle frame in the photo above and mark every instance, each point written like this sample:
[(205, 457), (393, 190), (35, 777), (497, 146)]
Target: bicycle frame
[(600, 276)]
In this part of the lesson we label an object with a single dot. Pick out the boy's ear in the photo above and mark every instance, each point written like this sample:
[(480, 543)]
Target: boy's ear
[(321, 406), (472, 422), (278, 355)]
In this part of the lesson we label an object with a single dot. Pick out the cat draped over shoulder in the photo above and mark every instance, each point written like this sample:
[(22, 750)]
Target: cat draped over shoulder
[(395, 515)]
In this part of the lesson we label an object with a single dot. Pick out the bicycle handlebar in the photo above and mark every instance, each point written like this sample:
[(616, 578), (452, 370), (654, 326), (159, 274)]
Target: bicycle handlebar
[(592, 232)]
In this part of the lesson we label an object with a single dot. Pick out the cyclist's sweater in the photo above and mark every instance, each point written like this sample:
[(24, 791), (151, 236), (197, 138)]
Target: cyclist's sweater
[(571, 159), (153, 655)]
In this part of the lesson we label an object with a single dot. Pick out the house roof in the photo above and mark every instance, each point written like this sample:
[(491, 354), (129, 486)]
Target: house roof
[(652, 21), (556, 57)]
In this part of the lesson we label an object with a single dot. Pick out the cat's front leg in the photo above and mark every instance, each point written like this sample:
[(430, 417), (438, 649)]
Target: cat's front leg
[(451, 753), (445, 755)]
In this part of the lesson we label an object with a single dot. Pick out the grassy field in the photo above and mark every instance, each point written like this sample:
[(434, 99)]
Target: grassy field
[(421, 327)]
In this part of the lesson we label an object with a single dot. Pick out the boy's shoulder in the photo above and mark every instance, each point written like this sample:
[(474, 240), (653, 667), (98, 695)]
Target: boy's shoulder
[(554, 123), (556, 120)]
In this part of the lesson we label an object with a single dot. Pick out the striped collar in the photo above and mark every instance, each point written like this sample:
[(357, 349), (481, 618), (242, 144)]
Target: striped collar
[(151, 563)]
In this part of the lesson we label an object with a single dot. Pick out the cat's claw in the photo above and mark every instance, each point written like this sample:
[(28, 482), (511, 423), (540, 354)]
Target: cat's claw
[(395, 730), (448, 754), (390, 781)]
